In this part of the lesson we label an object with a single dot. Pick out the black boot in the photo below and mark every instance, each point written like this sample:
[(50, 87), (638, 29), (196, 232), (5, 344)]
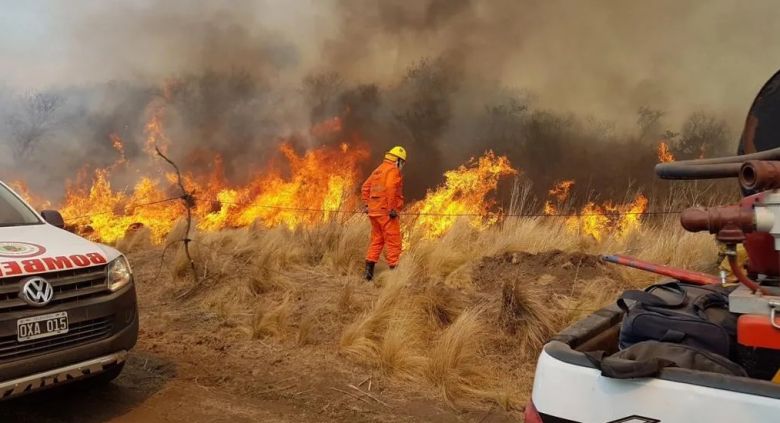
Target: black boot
[(370, 270)]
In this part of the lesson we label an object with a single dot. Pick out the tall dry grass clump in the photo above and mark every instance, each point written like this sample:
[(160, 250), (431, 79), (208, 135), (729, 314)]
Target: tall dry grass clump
[(273, 321), (364, 338), (350, 244), (456, 364), (418, 330), (527, 315), (135, 240)]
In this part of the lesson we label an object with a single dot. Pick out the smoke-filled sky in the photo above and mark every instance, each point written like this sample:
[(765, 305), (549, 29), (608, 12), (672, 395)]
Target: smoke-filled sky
[(602, 56), (554, 84)]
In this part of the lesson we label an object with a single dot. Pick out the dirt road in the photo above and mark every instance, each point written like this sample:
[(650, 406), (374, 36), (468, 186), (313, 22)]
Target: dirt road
[(151, 391), (156, 387)]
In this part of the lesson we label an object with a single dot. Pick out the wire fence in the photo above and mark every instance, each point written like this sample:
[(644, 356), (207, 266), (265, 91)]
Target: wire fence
[(131, 206), (408, 213)]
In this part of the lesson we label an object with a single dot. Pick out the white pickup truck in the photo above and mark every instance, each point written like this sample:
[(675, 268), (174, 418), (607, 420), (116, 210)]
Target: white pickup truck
[(569, 388), (67, 305)]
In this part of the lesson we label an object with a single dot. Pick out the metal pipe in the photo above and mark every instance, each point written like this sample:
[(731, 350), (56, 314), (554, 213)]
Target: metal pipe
[(760, 175), (720, 167), (697, 171), (691, 276), (714, 219)]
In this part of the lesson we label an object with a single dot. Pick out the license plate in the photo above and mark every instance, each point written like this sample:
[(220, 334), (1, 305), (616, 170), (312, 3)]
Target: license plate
[(42, 326)]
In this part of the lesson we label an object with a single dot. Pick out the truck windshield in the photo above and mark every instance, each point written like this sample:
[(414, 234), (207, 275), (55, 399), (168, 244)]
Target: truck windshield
[(14, 212)]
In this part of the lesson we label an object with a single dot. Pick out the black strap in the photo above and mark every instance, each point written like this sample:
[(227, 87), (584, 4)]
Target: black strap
[(619, 368), (672, 335), (715, 289), (709, 301), (650, 299), (675, 288)]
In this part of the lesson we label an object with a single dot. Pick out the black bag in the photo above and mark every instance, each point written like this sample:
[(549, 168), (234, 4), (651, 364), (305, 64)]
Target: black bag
[(646, 359), (681, 313)]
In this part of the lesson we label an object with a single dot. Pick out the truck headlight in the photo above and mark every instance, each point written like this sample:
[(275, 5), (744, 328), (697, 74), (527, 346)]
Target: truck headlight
[(119, 274)]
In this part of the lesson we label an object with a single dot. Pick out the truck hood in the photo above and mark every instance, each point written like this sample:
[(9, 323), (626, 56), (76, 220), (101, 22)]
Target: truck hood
[(32, 249)]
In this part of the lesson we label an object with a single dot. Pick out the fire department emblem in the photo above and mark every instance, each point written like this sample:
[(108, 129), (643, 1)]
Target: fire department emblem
[(20, 249)]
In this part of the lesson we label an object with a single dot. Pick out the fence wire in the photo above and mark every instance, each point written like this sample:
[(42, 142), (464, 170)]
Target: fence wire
[(415, 214), (132, 206)]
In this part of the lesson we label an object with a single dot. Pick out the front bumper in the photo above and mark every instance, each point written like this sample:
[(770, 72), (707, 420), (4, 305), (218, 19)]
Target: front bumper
[(117, 313), (60, 376)]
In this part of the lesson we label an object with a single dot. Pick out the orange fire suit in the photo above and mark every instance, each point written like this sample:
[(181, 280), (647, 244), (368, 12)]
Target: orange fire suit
[(382, 192)]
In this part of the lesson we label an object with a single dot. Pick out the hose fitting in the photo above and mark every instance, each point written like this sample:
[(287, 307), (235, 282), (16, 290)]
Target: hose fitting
[(728, 223), (759, 175)]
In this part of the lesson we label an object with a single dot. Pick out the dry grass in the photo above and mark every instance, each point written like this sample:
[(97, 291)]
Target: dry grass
[(456, 364), (526, 314), (433, 321), (272, 322)]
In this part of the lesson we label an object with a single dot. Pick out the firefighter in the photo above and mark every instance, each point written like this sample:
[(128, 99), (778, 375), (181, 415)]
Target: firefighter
[(383, 196)]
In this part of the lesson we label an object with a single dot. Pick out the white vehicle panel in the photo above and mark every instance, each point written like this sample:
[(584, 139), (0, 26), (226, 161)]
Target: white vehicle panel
[(41, 248), (581, 394)]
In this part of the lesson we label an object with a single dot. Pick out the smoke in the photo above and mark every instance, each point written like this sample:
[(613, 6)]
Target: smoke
[(561, 87)]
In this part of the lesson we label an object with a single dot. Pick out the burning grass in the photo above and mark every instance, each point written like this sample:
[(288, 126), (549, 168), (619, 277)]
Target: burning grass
[(464, 314), (478, 290)]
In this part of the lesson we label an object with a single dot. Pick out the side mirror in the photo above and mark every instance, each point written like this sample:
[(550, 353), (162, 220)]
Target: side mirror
[(54, 218)]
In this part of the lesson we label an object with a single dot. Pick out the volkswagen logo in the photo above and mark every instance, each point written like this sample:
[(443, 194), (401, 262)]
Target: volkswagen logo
[(36, 291)]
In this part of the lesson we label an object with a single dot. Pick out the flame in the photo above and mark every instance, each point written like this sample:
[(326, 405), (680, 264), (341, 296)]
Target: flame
[(318, 179), (597, 220), (153, 129), (119, 146), (294, 190), (155, 137), (301, 190), (560, 192), (464, 191), (664, 155), (297, 189)]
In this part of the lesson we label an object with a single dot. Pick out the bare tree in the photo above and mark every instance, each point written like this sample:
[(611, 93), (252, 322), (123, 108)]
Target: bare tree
[(703, 135), (649, 122), (505, 120), (320, 90), (424, 111), (426, 88), (34, 119)]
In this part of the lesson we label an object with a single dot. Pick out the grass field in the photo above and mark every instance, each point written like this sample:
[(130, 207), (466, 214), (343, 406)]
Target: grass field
[(463, 315)]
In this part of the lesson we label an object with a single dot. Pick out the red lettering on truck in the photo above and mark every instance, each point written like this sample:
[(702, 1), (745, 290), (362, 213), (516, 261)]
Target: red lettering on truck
[(11, 268), (58, 263), (33, 266), (79, 260), (50, 264), (96, 258)]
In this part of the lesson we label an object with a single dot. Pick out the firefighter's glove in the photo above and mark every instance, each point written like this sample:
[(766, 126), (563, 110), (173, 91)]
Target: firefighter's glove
[(393, 214)]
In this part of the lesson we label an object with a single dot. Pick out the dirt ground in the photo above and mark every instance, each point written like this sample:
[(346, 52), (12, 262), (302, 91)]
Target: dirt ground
[(193, 366), (560, 269)]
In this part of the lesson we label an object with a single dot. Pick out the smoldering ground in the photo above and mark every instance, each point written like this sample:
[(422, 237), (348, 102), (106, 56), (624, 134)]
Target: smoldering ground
[(567, 90)]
